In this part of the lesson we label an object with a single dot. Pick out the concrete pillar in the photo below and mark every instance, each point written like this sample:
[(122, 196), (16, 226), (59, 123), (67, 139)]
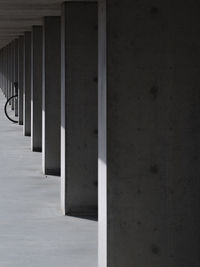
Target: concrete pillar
[(150, 177), (8, 71), (51, 96), (79, 108), (4, 67), (27, 84), (102, 138), (36, 89), (12, 62), (1, 69), (16, 69), (2, 72), (21, 78)]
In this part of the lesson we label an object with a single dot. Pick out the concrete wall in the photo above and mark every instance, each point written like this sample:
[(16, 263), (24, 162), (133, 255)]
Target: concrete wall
[(153, 134)]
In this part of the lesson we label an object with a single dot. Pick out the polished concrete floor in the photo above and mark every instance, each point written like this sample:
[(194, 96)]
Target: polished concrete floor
[(33, 232)]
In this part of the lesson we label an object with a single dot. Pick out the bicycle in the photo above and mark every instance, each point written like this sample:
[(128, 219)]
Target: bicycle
[(7, 102)]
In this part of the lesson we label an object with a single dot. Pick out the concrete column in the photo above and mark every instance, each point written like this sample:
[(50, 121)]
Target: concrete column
[(79, 108), (21, 78), (102, 138), (5, 79), (7, 64), (12, 62), (51, 96), (1, 69), (4, 67), (16, 69), (2, 72), (6, 59), (151, 186), (36, 89), (8, 71), (27, 84)]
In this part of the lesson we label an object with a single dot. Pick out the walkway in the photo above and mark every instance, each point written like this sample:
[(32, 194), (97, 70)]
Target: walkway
[(33, 233)]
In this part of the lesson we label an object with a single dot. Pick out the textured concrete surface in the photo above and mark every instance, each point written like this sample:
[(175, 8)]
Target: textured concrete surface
[(21, 78), (102, 136), (79, 108), (36, 88), (12, 71), (27, 84), (153, 133), (51, 91), (16, 65), (33, 232)]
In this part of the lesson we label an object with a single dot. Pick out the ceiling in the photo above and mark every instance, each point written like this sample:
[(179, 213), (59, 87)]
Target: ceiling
[(17, 16)]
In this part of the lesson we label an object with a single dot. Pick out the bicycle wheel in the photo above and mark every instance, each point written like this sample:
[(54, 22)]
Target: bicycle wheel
[(10, 114)]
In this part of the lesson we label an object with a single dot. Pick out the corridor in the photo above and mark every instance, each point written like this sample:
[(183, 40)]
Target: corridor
[(33, 231)]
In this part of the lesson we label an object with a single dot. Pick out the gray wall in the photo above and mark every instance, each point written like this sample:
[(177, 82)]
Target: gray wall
[(153, 134)]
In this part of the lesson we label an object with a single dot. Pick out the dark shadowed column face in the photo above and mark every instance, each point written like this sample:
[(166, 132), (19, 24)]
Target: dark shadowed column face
[(8, 70), (36, 89), (27, 84), (79, 108), (13, 73), (16, 66), (153, 134), (51, 95), (21, 78)]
